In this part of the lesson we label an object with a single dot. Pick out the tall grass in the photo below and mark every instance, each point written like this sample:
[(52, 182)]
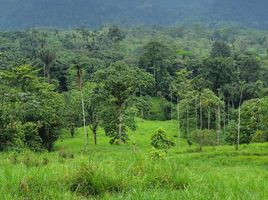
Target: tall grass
[(128, 172)]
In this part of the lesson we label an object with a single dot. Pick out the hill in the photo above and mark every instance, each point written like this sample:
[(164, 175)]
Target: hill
[(17, 14)]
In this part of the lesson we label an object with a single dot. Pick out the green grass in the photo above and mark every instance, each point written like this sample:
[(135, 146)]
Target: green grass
[(127, 172)]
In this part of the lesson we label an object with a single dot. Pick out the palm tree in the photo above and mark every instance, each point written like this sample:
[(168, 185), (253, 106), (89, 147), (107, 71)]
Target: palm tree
[(47, 57), (78, 66)]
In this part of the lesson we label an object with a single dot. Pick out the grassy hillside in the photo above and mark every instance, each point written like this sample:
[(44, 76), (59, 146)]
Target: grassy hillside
[(127, 172)]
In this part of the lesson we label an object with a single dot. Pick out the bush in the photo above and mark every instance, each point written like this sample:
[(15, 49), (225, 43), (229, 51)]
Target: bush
[(157, 154), (231, 133), (11, 137), (205, 137), (115, 140), (259, 137), (31, 138), (160, 140)]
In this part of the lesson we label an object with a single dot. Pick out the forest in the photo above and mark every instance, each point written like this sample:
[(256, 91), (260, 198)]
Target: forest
[(22, 14), (141, 112)]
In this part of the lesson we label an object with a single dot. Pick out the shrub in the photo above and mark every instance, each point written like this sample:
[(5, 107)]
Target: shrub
[(11, 137), (231, 133), (157, 154), (91, 181), (31, 138), (259, 137), (205, 137), (160, 140), (117, 141)]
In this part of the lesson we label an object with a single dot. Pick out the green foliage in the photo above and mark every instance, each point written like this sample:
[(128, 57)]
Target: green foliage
[(160, 140), (231, 133), (205, 137), (119, 83), (157, 154), (157, 60), (259, 137), (219, 71), (30, 111), (160, 109), (220, 49)]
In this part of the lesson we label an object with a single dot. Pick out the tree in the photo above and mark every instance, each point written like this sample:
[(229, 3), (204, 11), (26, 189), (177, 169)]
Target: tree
[(182, 86), (30, 110), (156, 59), (78, 65), (160, 140), (220, 49), (72, 114), (95, 100), (240, 87), (47, 57), (115, 34), (120, 82), (250, 67), (219, 72)]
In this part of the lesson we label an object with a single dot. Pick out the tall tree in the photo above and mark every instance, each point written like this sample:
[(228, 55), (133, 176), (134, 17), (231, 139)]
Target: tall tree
[(79, 65), (121, 83), (47, 57), (182, 86)]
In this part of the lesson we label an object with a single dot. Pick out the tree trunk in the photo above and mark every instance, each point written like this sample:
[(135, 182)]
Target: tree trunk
[(196, 113), (48, 74), (72, 130), (142, 111), (154, 74), (208, 119), (44, 70), (224, 115), (188, 125), (201, 111), (228, 112), (239, 119), (178, 123), (238, 127), (171, 104), (120, 121), (84, 119), (95, 135), (219, 124)]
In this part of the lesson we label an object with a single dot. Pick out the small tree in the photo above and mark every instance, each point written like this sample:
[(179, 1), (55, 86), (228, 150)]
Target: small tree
[(95, 101), (160, 140)]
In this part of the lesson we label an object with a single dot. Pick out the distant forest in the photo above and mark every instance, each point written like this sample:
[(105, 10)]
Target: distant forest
[(22, 14)]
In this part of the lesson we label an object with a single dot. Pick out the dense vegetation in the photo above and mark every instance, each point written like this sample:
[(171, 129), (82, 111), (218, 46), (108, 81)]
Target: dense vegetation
[(16, 14), (155, 104)]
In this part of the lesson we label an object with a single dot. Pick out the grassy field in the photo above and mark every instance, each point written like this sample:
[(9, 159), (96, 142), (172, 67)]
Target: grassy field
[(127, 172)]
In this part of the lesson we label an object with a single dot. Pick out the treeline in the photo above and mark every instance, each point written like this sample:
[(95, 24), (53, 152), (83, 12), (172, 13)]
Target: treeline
[(213, 82)]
